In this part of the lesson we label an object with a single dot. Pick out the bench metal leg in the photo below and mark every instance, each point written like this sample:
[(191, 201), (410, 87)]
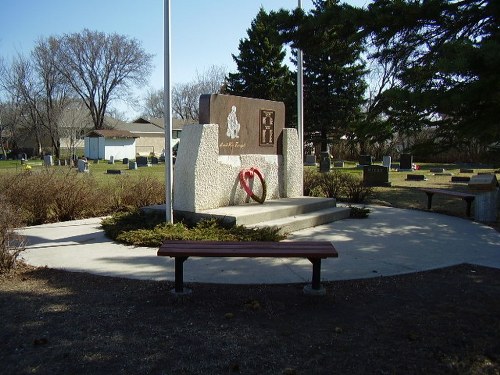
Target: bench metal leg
[(429, 199), (315, 288), (316, 277), (179, 274)]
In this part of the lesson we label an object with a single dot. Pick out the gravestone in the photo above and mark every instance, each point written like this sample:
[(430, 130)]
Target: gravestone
[(310, 160), (48, 161), (132, 165), (338, 164), (437, 170), (375, 175), (365, 160), (83, 166), (415, 177), (386, 161), (460, 179), (406, 162), (154, 160), (125, 161), (466, 170), (111, 160), (324, 162), (142, 161), (114, 171)]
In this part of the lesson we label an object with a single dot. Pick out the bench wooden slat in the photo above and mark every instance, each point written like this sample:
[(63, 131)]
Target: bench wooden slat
[(467, 197), (450, 193), (255, 249)]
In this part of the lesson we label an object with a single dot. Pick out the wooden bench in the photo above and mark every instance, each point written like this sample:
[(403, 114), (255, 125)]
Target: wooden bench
[(312, 250), (467, 197)]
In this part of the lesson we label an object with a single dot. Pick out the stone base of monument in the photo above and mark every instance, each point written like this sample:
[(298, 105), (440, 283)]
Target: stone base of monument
[(287, 214)]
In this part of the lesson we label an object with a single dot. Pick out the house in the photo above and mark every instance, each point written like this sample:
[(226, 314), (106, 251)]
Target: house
[(104, 143), (151, 134)]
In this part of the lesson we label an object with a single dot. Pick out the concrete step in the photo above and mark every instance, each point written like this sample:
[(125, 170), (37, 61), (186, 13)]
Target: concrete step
[(307, 220), (288, 214)]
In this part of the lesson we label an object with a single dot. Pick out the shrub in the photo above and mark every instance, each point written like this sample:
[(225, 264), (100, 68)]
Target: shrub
[(355, 191), (139, 229), (11, 243), (359, 212), (335, 184), (310, 180), (52, 195), (132, 192), (332, 184)]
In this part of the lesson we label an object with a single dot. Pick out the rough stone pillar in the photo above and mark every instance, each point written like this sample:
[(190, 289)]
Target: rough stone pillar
[(197, 191), (293, 181)]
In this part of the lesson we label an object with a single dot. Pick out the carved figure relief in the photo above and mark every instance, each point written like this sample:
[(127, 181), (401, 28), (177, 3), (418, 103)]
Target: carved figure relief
[(233, 126)]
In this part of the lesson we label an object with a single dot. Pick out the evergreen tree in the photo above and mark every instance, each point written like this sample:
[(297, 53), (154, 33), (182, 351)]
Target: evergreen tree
[(333, 71), (261, 69), (450, 78)]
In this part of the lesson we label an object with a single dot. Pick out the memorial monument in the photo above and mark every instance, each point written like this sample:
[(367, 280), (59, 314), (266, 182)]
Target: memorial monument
[(240, 153)]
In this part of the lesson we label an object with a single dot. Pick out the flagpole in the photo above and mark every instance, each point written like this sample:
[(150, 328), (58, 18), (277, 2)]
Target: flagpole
[(300, 99), (167, 115)]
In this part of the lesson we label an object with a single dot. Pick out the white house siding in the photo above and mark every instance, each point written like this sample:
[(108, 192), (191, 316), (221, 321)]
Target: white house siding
[(103, 148), (120, 148)]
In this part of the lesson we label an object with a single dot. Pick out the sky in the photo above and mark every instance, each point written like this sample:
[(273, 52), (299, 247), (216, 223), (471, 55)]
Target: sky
[(203, 33)]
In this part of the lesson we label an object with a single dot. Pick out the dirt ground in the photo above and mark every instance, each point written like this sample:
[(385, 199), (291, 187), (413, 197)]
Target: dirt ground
[(445, 321)]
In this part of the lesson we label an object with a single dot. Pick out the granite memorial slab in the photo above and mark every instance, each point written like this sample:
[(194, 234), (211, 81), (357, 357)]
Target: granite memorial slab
[(460, 179), (406, 162), (415, 177), (376, 175), (365, 160), (142, 161), (310, 160), (246, 125)]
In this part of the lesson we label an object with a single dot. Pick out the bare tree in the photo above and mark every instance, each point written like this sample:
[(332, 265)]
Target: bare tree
[(73, 123), (153, 103), (185, 96), (100, 67), (20, 82)]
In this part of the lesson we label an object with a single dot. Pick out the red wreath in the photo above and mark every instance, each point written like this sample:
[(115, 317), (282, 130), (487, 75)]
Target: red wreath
[(247, 174)]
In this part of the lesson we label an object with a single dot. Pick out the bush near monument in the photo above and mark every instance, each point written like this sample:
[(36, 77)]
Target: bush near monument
[(335, 184), (149, 229)]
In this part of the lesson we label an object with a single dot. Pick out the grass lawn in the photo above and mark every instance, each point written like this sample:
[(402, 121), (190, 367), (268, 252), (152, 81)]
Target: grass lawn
[(402, 193)]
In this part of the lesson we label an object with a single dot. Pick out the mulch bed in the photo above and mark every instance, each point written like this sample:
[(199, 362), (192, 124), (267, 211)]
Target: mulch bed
[(444, 321)]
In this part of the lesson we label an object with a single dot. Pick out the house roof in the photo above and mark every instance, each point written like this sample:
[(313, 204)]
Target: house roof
[(111, 133), (177, 124)]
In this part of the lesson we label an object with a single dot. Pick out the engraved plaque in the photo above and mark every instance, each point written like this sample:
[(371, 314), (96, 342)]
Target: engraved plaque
[(266, 133)]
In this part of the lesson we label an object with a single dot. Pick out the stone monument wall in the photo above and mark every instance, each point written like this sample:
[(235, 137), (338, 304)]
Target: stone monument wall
[(204, 179)]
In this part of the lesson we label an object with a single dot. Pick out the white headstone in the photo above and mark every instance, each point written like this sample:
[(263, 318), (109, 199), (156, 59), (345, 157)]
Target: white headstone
[(111, 159), (386, 161)]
